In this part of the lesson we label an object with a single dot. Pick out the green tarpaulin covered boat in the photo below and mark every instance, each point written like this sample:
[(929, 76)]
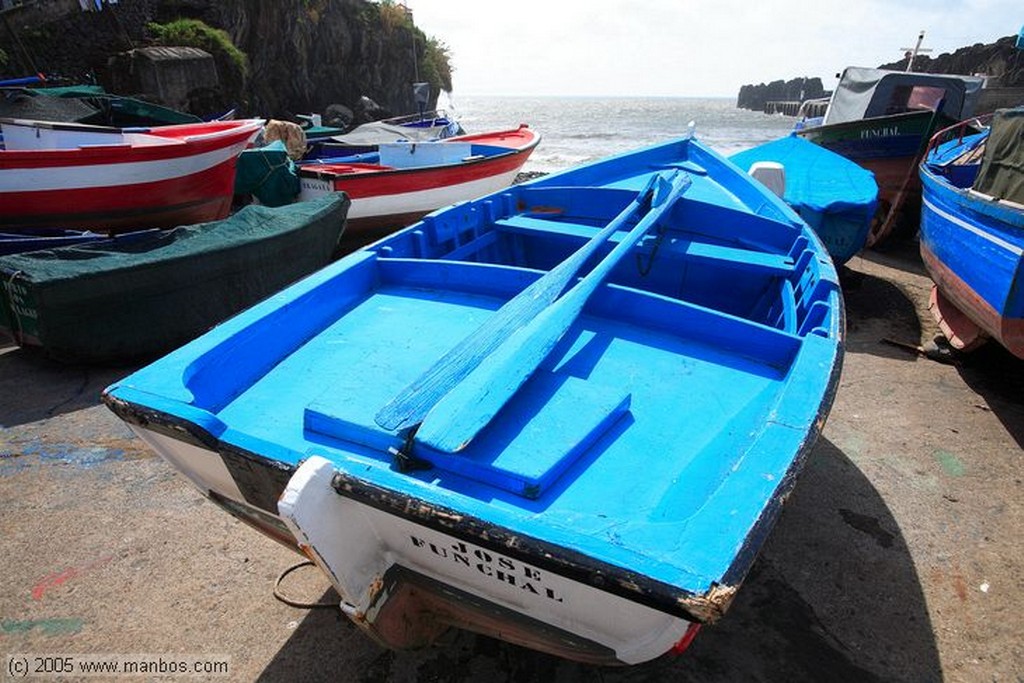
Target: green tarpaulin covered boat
[(89, 104), (268, 174), (115, 302)]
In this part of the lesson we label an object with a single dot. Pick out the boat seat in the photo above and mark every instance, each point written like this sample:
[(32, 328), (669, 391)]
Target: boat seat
[(552, 421), (771, 174), (746, 259)]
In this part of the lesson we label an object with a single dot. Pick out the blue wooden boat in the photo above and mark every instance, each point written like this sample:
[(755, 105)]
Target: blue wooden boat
[(566, 414), (972, 230), (834, 195), (328, 143)]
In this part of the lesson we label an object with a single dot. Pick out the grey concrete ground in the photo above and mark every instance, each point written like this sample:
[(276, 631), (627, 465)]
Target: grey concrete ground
[(898, 557)]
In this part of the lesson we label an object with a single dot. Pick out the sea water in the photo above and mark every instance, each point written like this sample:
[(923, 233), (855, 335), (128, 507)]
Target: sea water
[(575, 130)]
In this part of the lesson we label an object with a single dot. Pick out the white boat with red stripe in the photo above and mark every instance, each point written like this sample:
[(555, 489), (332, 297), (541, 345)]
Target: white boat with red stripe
[(404, 181), (115, 179)]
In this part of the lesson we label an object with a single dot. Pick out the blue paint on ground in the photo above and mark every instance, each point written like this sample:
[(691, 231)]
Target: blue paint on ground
[(17, 459)]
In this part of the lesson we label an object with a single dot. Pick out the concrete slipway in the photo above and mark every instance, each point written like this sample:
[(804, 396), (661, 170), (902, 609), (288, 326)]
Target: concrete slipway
[(898, 557)]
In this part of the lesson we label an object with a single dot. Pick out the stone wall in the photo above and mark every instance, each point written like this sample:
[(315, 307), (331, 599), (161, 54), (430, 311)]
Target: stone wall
[(173, 76)]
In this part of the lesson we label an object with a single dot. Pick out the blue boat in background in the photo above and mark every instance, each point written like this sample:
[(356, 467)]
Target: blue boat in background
[(19, 242), (836, 196), (328, 143), (972, 230), (566, 414)]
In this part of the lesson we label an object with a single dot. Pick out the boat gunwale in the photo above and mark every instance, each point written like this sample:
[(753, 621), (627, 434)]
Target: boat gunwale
[(368, 171), (852, 126), (166, 148), (574, 565), (269, 476), (987, 206)]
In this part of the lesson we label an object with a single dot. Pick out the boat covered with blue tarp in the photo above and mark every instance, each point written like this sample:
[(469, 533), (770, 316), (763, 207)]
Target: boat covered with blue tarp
[(566, 414), (836, 196)]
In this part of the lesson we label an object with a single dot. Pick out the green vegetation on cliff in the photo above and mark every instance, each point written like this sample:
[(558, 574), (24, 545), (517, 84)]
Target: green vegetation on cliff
[(435, 63), (232, 63)]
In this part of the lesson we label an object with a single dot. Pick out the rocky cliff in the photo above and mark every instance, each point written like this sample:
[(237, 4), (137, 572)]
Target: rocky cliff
[(796, 90), (1001, 61), (303, 55)]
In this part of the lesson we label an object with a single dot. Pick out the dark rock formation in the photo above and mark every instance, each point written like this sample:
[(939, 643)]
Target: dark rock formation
[(304, 55), (1001, 61), (797, 90)]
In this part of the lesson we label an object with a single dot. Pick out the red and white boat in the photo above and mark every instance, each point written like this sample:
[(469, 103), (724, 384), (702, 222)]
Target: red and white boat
[(403, 181), (114, 179)]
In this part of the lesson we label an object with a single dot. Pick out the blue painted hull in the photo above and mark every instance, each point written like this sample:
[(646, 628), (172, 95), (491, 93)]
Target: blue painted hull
[(972, 247), (20, 242), (16, 243), (644, 460)]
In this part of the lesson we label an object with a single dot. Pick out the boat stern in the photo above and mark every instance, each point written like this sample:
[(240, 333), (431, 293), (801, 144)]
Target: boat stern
[(405, 583)]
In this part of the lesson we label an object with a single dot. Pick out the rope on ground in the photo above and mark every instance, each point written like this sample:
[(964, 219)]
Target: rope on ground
[(295, 603)]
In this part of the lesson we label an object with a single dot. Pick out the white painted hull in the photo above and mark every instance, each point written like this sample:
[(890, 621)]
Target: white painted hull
[(357, 545), (414, 202)]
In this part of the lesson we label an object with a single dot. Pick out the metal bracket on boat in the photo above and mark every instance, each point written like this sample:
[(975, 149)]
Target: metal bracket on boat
[(645, 267), (404, 458)]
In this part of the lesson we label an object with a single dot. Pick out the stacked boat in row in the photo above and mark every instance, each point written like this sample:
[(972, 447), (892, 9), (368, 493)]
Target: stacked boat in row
[(156, 259), (882, 121), (121, 242), (852, 173), (955, 176)]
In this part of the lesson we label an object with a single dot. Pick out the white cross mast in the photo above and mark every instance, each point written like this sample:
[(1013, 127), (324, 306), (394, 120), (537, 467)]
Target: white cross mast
[(911, 53)]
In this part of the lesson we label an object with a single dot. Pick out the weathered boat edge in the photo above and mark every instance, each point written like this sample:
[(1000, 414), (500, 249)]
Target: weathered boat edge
[(262, 481), (299, 490), (941, 201)]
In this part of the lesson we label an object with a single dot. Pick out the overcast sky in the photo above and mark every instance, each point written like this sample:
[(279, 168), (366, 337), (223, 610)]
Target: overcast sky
[(698, 48)]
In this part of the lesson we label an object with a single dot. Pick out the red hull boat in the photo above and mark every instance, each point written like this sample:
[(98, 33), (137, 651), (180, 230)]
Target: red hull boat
[(118, 179)]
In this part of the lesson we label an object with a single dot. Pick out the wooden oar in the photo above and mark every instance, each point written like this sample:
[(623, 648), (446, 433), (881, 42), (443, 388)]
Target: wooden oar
[(470, 405), (411, 405)]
